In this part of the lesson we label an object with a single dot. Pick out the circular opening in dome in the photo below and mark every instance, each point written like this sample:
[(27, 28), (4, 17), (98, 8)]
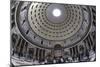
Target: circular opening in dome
[(56, 12)]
